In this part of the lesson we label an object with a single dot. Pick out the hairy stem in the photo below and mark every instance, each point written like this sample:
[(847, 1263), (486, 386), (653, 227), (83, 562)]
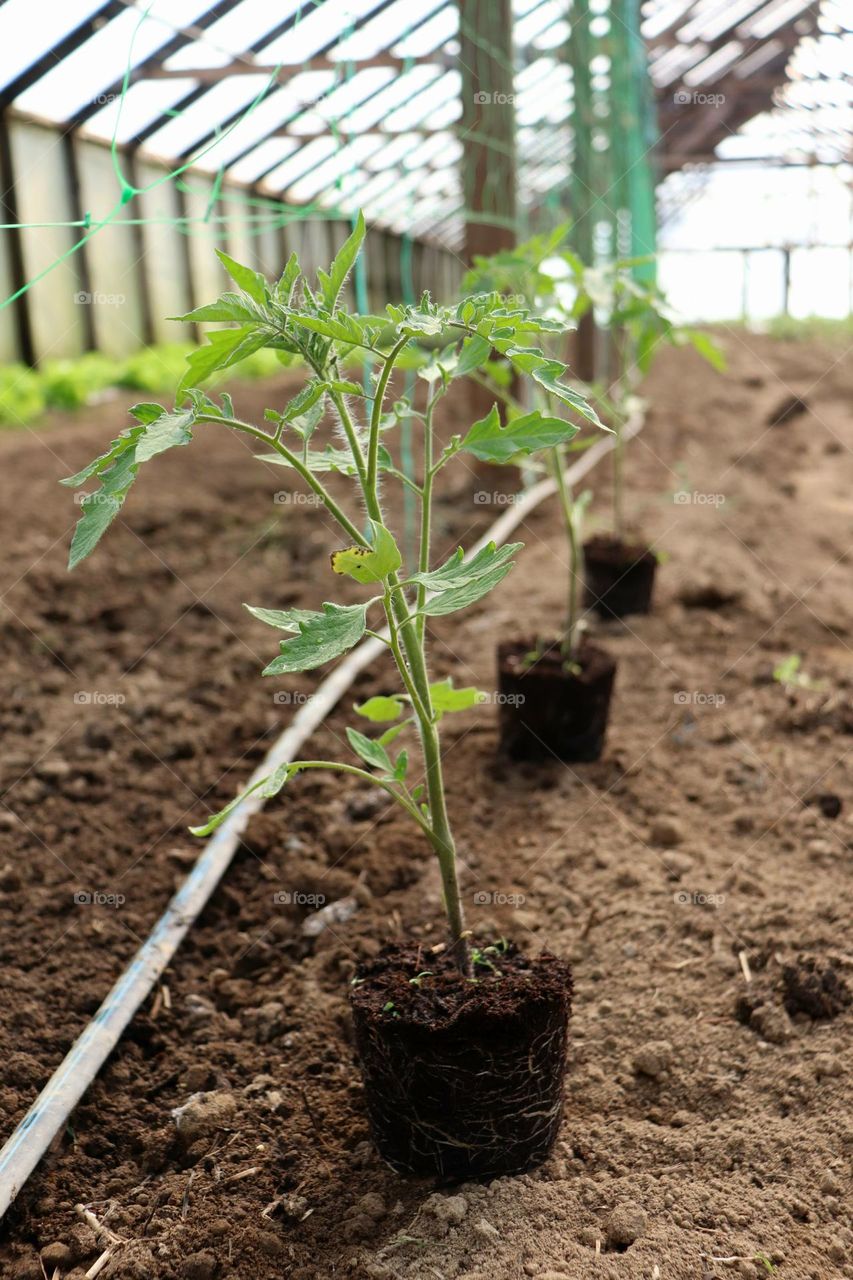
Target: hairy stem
[(246, 428), (401, 798), (570, 635)]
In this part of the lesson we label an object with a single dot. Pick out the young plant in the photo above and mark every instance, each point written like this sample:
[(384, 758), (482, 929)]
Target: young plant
[(522, 275), (311, 322), (544, 274), (639, 320)]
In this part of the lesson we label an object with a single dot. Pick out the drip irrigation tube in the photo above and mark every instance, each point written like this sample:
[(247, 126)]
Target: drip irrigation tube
[(51, 1109)]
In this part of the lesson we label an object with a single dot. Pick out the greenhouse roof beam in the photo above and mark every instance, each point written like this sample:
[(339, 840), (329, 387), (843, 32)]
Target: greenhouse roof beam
[(180, 40)]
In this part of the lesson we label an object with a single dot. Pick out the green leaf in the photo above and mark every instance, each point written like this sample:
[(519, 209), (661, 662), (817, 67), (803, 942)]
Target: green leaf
[(165, 432), (341, 327), (117, 469), (380, 709), (490, 442), (706, 347), (449, 601), (401, 767), (227, 307), (458, 572), (321, 638), (390, 734), (331, 284), (224, 347), (475, 352), (283, 619), (445, 697), (373, 563), (251, 282), (269, 787), (371, 751), (330, 459), (287, 281)]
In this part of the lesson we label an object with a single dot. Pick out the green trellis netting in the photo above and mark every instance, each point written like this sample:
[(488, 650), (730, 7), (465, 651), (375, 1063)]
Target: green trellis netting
[(459, 127)]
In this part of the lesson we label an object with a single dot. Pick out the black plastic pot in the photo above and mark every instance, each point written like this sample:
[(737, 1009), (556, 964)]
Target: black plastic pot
[(548, 711), (619, 577), (463, 1080)]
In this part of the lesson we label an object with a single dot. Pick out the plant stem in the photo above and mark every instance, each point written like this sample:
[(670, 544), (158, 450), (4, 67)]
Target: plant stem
[(569, 643), (376, 414), (426, 515), (402, 799), (618, 479), (321, 491), (411, 664)]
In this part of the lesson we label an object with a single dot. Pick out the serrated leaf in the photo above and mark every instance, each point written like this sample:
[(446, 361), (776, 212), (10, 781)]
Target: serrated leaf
[(380, 709), (165, 432), (390, 734), (373, 563), (329, 459), (251, 282), (475, 351), (445, 697), (269, 787), (370, 750), (117, 469), (331, 284), (321, 638), (223, 348), (458, 572), (401, 767), (449, 601), (227, 307), (287, 280), (282, 619), (340, 327), (490, 442)]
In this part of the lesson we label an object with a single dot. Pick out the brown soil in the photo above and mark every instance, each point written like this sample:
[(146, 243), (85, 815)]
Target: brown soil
[(693, 855)]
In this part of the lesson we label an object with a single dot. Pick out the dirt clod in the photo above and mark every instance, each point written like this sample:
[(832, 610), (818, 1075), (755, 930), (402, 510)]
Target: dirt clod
[(653, 1059), (204, 1114), (627, 1222)]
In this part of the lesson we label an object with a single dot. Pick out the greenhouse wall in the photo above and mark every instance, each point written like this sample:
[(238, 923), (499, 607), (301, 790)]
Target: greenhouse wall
[(155, 258)]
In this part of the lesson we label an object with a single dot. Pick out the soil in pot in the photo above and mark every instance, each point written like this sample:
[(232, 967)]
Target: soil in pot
[(619, 576), (547, 709), (463, 1078)]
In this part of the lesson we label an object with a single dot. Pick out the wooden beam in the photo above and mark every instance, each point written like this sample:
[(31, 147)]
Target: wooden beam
[(487, 129), (321, 62)]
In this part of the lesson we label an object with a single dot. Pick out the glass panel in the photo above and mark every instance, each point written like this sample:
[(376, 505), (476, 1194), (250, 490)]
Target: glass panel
[(23, 41), (77, 80)]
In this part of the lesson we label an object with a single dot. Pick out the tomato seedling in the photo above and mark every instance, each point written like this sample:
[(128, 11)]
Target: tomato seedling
[(311, 323)]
